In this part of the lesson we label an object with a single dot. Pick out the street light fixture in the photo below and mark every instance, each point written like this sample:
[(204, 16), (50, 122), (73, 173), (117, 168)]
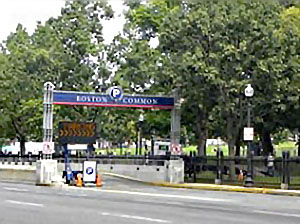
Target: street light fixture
[(249, 91), (248, 136)]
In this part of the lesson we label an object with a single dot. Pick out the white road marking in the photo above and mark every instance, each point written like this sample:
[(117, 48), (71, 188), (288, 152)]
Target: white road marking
[(73, 195), (155, 194), (24, 203), (15, 189), (164, 202), (167, 195), (135, 217), (277, 213)]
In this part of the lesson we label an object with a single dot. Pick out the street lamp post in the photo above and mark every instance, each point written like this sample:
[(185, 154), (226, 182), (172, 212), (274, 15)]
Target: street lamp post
[(141, 121), (248, 136)]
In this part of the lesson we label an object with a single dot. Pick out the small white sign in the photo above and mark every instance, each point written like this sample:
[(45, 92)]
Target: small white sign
[(89, 171), (248, 134), (48, 148)]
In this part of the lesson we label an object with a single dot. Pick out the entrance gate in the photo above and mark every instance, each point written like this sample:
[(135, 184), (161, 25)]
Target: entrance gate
[(115, 98)]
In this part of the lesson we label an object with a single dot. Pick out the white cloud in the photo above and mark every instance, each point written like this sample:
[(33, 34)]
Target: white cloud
[(29, 12), (26, 12)]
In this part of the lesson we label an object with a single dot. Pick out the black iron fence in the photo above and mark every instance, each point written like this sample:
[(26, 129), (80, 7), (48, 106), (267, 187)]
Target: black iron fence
[(267, 171), (101, 159)]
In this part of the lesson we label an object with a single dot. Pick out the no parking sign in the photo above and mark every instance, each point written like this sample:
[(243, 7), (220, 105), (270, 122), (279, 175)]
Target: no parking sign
[(89, 171)]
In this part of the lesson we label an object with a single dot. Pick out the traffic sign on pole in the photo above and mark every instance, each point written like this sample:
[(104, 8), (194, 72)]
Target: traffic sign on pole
[(248, 134), (48, 148)]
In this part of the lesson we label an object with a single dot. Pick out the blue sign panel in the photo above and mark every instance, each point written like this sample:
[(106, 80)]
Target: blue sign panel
[(99, 100), (116, 92), (89, 170)]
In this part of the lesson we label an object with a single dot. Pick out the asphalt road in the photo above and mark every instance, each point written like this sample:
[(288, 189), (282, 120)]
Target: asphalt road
[(121, 201)]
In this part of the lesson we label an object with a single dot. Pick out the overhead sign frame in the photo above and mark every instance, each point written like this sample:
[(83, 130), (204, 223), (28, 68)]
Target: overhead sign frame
[(115, 98)]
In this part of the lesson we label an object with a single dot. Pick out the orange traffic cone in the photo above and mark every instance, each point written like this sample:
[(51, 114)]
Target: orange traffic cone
[(79, 180), (98, 181)]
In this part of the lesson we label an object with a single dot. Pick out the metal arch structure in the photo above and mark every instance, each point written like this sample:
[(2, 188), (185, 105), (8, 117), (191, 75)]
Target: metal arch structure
[(57, 97), (48, 145)]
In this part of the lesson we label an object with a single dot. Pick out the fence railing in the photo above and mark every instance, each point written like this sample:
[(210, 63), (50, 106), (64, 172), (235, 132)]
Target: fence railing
[(280, 171), (267, 172), (101, 159)]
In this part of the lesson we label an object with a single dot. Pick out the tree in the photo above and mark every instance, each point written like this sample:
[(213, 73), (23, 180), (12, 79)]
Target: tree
[(18, 86), (211, 51), (62, 51)]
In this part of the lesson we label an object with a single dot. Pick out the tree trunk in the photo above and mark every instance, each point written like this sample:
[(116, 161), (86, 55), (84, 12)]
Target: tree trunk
[(231, 144), (298, 141), (202, 144), (231, 161), (267, 143), (201, 131), (237, 148), (22, 146)]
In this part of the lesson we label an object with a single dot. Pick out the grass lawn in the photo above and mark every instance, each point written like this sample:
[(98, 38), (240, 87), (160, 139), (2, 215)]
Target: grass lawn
[(210, 150), (286, 146)]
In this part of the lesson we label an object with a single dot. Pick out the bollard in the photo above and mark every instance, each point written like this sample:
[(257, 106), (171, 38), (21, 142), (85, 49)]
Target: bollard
[(147, 158), (30, 158), (285, 171), (194, 162)]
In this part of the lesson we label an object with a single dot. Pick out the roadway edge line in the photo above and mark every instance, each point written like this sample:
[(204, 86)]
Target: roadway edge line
[(212, 187)]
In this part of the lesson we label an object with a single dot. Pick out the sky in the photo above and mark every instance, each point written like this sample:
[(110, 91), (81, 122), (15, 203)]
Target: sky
[(28, 12)]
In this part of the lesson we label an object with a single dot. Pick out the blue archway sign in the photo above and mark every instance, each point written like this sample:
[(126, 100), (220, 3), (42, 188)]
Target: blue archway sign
[(103, 100)]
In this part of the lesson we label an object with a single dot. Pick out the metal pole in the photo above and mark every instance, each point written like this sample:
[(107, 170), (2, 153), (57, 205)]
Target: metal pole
[(249, 176), (137, 141), (48, 114), (219, 171), (68, 170), (175, 120), (285, 172), (140, 139), (152, 145), (249, 114)]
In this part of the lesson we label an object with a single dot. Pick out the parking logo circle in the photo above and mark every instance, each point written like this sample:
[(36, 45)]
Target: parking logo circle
[(116, 93), (89, 170)]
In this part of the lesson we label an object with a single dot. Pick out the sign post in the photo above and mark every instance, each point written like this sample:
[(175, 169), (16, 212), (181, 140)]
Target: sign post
[(46, 168), (48, 148), (175, 124)]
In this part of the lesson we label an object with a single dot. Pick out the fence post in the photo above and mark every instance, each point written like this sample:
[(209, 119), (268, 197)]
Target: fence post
[(218, 180), (190, 164), (285, 171), (30, 158), (194, 161)]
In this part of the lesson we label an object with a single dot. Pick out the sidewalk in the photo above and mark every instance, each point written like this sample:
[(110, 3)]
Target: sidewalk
[(215, 187)]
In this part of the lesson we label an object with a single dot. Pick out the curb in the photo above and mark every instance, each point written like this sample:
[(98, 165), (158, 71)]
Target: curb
[(213, 187), (125, 177), (229, 189)]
